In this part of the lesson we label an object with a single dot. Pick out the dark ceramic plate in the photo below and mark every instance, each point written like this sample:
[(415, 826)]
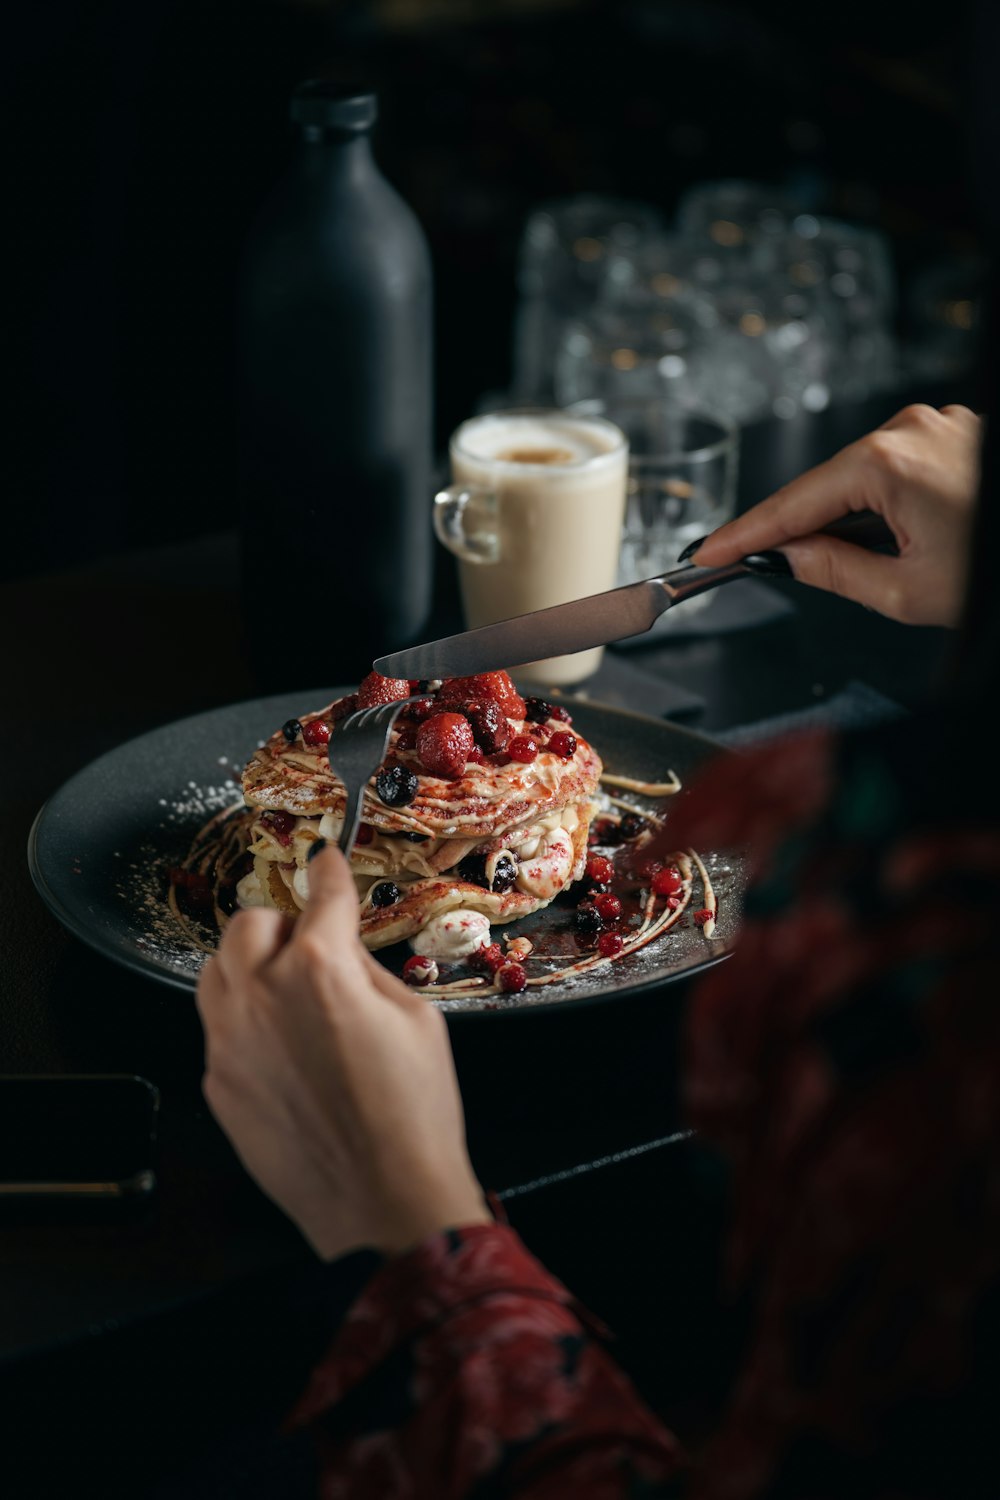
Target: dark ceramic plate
[(101, 846)]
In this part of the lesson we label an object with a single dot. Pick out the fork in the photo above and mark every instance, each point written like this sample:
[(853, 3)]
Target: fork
[(356, 748)]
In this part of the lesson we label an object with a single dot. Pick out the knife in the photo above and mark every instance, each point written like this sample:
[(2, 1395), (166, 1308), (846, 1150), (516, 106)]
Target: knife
[(599, 619)]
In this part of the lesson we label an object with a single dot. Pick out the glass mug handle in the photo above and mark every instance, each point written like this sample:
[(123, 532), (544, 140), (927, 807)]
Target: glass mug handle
[(470, 534)]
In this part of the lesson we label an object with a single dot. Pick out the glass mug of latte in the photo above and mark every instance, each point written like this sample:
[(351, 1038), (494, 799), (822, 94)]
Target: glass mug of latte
[(534, 515)]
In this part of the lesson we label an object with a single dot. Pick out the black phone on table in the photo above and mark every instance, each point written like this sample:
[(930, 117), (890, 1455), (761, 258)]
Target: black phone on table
[(83, 1139)]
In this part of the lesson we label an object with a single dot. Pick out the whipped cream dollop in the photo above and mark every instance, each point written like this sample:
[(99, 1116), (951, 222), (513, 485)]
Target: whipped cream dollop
[(452, 935)]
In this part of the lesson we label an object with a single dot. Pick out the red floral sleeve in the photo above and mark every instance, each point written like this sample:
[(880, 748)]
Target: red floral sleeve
[(462, 1363)]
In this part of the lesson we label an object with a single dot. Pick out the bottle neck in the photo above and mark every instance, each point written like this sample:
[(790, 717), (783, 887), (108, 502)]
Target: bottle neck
[(325, 152)]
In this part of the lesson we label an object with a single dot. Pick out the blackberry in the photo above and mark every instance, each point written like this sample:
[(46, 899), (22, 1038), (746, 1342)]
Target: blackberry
[(489, 725), (396, 785), (473, 869), (631, 826), (385, 893), (537, 710), (589, 920), (416, 838), (291, 729)]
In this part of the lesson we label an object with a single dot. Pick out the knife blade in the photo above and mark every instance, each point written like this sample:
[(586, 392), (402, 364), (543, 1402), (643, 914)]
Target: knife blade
[(597, 619)]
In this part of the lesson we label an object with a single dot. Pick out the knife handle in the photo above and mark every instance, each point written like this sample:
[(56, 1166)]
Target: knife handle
[(862, 527)]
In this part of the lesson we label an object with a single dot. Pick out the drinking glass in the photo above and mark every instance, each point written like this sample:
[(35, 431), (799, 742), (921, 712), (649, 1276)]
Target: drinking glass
[(534, 516), (682, 474), (565, 245)]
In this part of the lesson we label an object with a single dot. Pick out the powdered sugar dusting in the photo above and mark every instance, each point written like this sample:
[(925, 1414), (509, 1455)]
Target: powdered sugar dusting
[(143, 882)]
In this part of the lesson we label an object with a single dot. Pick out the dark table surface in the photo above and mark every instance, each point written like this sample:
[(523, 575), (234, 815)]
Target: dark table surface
[(106, 651)]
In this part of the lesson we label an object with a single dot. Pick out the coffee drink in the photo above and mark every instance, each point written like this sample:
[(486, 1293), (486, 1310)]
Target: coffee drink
[(535, 515)]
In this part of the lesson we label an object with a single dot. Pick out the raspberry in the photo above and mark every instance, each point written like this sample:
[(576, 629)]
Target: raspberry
[(703, 916), (419, 970), (443, 744), (563, 743), (610, 944), (316, 732), (488, 959), (667, 881), (522, 748), (599, 868), (609, 907), (495, 685), (378, 689), (512, 978)]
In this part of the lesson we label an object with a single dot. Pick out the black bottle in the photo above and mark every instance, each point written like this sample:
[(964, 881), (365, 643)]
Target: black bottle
[(336, 410)]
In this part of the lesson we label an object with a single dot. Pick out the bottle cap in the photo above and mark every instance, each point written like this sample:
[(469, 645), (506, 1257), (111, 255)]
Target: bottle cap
[(329, 105)]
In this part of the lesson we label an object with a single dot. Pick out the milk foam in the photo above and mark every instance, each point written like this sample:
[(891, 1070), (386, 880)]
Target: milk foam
[(568, 443)]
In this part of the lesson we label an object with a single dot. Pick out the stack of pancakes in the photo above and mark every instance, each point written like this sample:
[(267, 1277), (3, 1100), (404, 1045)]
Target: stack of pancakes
[(518, 830)]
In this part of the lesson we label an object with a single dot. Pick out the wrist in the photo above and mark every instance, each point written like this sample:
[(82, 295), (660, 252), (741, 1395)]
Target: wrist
[(408, 1227)]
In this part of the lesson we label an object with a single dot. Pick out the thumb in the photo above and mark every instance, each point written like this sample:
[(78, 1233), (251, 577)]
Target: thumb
[(333, 897)]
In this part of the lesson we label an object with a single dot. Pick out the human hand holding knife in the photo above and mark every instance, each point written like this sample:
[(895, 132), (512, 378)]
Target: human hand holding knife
[(599, 619)]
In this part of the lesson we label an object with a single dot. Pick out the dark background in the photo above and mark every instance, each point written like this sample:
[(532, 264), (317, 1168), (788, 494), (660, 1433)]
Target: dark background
[(141, 138)]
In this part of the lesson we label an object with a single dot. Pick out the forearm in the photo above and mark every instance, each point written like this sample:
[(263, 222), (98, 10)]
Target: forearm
[(463, 1363)]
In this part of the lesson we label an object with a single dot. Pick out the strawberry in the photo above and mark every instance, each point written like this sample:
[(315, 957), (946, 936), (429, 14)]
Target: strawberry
[(495, 685), (444, 744), (377, 689)]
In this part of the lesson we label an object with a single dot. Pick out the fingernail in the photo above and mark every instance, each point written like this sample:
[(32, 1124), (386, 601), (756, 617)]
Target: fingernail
[(314, 849), (691, 549)]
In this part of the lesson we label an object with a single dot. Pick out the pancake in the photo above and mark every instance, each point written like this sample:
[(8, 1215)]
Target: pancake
[(296, 778), (500, 838)]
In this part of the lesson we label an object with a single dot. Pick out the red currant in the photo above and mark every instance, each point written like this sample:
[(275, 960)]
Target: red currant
[(419, 970), (316, 732), (563, 743), (512, 978), (365, 833), (599, 868), (610, 944), (522, 748), (609, 907), (667, 881)]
